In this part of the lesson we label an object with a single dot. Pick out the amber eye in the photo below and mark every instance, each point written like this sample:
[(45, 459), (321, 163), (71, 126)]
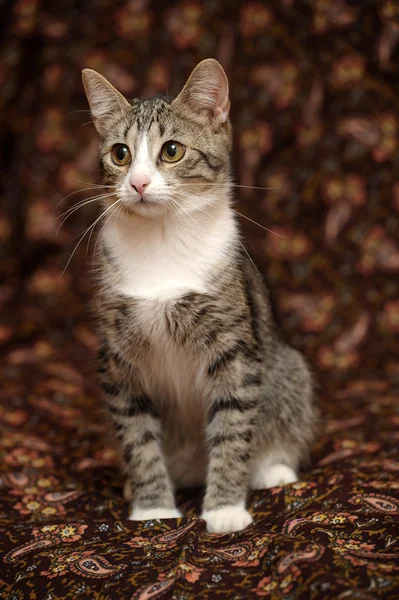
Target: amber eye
[(172, 151), (120, 155)]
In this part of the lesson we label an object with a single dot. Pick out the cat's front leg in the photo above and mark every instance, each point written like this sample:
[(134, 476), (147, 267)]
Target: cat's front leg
[(138, 428), (232, 424)]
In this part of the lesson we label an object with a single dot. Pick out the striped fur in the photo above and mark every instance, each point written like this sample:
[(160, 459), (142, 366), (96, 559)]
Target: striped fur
[(199, 385)]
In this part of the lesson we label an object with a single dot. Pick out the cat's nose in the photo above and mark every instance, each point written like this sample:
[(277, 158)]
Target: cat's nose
[(139, 183)]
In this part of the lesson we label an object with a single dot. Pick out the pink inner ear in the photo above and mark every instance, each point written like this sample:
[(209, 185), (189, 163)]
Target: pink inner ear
[(210, 91), (207, 89), (222, 111)]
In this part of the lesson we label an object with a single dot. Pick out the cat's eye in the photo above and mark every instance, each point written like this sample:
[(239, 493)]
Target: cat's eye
[(172, 151), (120, 155)]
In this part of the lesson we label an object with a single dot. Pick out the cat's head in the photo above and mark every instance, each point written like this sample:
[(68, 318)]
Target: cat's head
[(165, 156)]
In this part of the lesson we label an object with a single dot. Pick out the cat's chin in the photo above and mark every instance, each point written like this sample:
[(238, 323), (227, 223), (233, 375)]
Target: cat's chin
[(147, 209)]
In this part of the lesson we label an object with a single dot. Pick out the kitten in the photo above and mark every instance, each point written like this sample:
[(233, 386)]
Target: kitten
[(199, 386)]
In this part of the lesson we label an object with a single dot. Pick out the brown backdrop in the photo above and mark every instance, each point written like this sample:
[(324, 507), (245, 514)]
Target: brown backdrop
[(315, 98)]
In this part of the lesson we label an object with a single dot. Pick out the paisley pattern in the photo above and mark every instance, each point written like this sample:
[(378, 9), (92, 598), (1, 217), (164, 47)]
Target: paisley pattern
[(315, 103)]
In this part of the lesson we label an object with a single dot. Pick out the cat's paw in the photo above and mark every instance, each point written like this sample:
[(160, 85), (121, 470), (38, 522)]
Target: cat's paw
[(226, 519), (273, 476), (149, 514), (127, 492)]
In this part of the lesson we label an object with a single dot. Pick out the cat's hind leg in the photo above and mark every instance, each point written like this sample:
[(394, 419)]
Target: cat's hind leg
[(269, 470), (288, 421)]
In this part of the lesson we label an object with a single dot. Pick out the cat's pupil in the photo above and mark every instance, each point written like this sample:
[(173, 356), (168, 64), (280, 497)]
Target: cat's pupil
[(121, 153), (171, 150)]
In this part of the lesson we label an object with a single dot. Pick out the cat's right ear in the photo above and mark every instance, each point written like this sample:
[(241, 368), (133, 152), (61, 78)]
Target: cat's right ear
[(206, 93), (104, 100)]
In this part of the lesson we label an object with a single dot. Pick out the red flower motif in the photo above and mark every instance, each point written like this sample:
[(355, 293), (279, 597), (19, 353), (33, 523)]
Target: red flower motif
[(301, 487), (353, 545), (184, 24), (255, 17), (331, 14), (35, 504), (265, 587), (348, 70), (13, 417), (288, 244), (23, 457), (132, 21), (390, 316), (70, 532)]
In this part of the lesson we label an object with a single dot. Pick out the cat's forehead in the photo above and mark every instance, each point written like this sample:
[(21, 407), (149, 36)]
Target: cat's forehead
[(147, 112)]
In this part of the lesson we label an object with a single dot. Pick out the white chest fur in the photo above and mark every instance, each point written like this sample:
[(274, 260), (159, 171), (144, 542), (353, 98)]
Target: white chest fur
[(164, 258)]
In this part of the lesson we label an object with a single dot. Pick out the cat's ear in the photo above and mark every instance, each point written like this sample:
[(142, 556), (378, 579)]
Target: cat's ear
[(104, 100), (206, 92)]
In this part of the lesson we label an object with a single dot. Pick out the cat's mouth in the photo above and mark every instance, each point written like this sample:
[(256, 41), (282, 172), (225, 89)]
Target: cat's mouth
[(144, 199), (144, 207)]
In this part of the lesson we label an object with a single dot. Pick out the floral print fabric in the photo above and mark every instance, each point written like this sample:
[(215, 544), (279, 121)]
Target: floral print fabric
[(315, 106)]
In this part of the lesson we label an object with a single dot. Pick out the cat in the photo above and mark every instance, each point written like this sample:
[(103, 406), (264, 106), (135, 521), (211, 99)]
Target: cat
[(199, 385)]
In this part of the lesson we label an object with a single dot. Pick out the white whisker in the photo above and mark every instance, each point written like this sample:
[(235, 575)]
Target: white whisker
[(80, 203), (72, 112), (92, 184), (229, 185), (236, 237), (88, 241), (73, 209), (85, 232), (182, 195), (83, 124), (94, 187), (258, 224), (182, 215), (188, 196), (112, 214)]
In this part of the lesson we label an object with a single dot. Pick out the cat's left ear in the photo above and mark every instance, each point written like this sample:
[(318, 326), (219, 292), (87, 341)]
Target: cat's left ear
[(105, 101), (206, 93)]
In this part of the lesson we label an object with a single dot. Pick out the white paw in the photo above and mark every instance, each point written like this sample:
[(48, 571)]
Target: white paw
[(226, 519), (272, 477), (149, 514), (127, 492)]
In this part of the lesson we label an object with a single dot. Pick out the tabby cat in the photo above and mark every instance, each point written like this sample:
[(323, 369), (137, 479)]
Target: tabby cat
[(199, 386)]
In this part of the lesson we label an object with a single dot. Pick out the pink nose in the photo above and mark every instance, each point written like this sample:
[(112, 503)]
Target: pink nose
[(139, 182)]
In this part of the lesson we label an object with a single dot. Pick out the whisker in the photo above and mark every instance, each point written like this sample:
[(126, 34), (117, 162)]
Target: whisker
[(85, 233), (236, 236), (170, 212), (83, 124), (73, 209), (238, 240), (80, 203), (182, 215), (81, 190), (78, 111), (258, 224), (187, 196), (88, 242), (112, 214), (91, 183), (228, 185)]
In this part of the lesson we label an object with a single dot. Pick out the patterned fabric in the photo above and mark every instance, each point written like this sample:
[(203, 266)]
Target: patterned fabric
[(315, 98)]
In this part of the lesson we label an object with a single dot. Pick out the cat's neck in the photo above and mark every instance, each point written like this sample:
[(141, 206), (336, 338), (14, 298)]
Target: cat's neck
[(165, 258)]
